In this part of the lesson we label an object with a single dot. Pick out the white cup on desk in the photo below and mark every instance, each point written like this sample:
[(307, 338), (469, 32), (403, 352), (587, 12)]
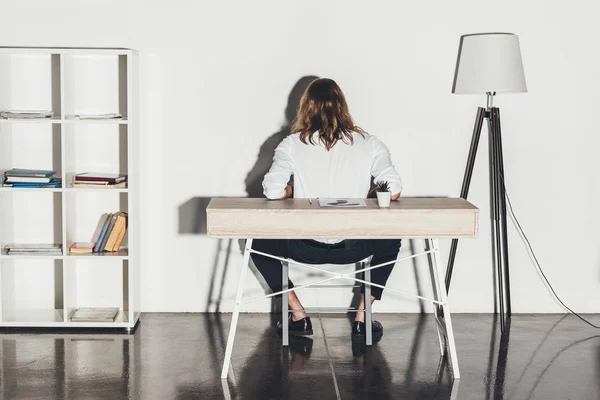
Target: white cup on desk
[(384, 199)]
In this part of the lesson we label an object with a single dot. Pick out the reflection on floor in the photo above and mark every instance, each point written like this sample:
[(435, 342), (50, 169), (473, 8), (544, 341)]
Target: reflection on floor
[(178, 356)]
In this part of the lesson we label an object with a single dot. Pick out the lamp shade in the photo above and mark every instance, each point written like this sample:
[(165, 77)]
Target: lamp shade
[(489, 62)]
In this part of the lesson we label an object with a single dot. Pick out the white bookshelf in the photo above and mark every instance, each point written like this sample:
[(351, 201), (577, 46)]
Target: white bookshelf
[(43, 291)]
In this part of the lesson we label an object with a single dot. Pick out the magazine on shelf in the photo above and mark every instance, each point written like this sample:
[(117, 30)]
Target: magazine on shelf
[(89, 314), (26, 114), (33, 247), (30, 173), (97, 116)]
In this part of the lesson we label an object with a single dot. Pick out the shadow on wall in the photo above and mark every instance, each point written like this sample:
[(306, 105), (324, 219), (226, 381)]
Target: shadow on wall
[(267, 150), (192, 213)]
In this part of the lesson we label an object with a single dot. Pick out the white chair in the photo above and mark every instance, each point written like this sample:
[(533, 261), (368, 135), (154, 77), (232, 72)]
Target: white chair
[(366, 263)]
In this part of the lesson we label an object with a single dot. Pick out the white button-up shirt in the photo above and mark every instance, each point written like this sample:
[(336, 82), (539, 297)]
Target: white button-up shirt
[(342, 172)]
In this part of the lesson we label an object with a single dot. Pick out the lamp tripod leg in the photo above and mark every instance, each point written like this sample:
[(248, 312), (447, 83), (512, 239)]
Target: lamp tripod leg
[(464, 192), (502, 211), (498, 216), (500, 236)]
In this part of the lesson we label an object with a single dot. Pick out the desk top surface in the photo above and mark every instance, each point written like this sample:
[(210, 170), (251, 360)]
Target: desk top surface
[(408, 217), (404, 204)]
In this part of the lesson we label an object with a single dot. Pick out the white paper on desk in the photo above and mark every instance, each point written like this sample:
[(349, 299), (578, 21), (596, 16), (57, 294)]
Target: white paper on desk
[(342, 203)]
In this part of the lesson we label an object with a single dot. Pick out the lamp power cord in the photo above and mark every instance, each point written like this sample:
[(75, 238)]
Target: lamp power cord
[(536, 262)]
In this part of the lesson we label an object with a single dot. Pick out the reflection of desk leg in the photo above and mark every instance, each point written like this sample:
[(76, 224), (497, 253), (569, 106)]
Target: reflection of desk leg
[(284, 305), (446, 318), (368, 306), (236, 310)]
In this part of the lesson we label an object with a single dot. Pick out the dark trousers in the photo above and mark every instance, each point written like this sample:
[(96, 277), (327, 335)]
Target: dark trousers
[(313, 252)]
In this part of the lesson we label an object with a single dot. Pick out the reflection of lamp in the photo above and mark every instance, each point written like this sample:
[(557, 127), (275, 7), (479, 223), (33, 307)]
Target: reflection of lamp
[(490, 63)]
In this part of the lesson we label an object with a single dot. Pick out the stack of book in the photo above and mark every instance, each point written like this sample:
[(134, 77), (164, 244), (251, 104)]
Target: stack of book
[(33, 249), (109, 235), (87, 314), (26, 114), (100, 180), (31, 178)]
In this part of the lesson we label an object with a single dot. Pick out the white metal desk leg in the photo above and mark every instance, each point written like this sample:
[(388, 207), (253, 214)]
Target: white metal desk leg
[(368, 306), (236, 310), (284, 304), (436, 294), (446, 308)]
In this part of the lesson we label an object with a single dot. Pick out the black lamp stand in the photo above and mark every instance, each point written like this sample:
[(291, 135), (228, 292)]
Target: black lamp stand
[(497, 206)]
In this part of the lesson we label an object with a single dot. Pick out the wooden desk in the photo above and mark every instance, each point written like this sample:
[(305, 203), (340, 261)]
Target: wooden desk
[(410, 217), (427, 218)]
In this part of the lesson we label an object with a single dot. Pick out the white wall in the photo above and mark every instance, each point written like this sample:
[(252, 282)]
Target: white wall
[(215, 79)]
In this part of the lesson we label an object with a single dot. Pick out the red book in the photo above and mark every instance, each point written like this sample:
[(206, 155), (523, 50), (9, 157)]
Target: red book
[(101, 176)]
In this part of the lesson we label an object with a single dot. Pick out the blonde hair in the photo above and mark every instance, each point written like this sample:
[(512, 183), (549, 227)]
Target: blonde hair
[(323, 108)]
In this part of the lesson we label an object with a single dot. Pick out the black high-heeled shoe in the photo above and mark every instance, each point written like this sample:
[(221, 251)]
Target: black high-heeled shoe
[(359, 330), (302, 327)]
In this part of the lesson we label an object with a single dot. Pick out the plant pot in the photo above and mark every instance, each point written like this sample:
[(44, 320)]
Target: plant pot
[(384, 199)]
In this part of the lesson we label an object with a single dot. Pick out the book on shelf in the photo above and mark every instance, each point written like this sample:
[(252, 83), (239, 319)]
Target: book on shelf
[(100, 177), (26, 179), (99, 185), (103, 232), (31, 178), (99, 116), (110, 232), (82, 247), (55, 183), (90, 314), (99, 228), (34, 173), (33, 249), (120, 225), (120, 237), (26, 114), (111, 225)]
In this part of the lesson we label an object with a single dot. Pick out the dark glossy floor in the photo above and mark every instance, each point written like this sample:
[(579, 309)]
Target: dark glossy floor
[(178, 356)]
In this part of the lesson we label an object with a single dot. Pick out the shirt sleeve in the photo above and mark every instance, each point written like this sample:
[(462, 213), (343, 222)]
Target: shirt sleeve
[(279, 174), (382, 168)]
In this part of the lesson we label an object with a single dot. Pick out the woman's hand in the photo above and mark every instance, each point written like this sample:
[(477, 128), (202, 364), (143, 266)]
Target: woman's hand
[(289, 192)]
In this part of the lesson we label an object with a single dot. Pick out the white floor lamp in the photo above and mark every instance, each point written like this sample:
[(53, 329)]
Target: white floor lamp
[(490, 63)]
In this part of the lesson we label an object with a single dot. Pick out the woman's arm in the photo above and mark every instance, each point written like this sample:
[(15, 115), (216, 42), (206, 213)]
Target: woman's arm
[(275, 183), (382, 168)]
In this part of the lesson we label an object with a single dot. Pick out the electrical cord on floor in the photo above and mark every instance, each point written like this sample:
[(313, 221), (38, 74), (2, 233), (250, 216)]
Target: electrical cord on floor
[(537, 264)]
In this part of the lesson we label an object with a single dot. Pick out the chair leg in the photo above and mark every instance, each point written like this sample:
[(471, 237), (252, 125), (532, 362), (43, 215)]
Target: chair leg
[(368, 305), (446, 309), (236, 310), (436, 295), (284, 305)]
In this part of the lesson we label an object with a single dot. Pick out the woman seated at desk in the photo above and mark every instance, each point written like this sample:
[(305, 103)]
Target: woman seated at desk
[(330, 157)]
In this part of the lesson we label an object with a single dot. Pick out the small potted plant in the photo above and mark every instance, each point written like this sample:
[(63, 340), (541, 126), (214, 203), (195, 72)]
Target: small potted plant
[(384, 196)]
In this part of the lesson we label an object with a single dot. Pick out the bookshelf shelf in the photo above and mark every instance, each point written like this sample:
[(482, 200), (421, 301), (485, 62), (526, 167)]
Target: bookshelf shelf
[(121, 254), (54, 120), (32, 316), (83, 190), (43, 290), (39, 190), (31, 257), (122, 121)]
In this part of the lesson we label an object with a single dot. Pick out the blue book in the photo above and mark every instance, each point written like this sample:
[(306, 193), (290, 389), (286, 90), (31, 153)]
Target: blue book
[(111, 225), (55, 183), (103, 235), (33, 173)]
